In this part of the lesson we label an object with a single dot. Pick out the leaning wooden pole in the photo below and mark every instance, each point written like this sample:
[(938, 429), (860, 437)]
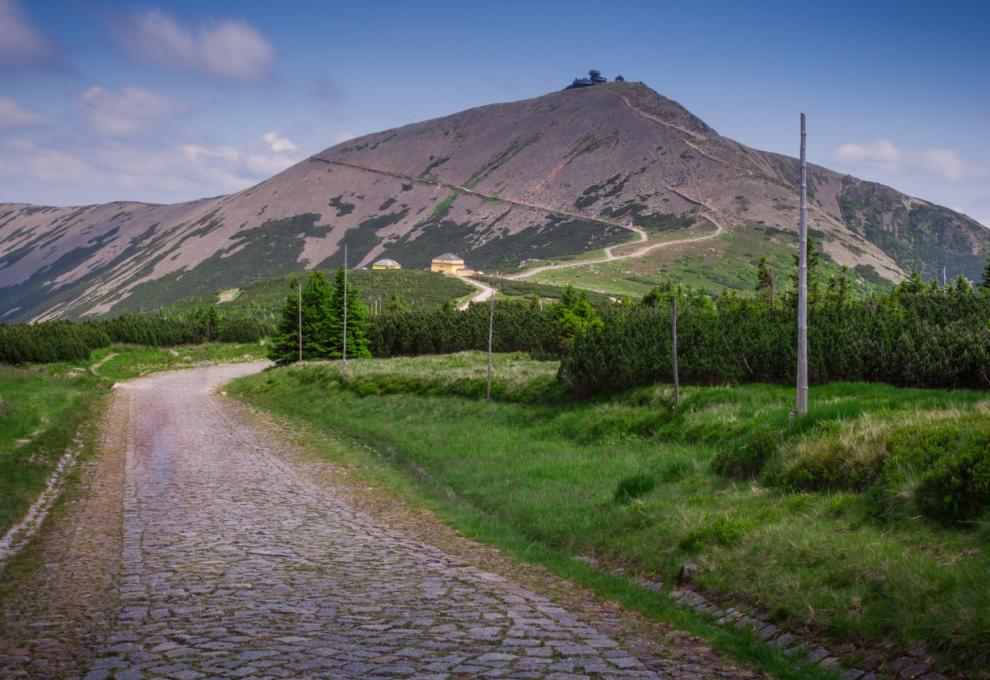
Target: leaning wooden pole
[(344, 354), (673, 350), (802, 367)]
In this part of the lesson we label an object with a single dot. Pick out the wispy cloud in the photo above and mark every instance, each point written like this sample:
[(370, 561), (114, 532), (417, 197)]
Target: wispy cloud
[(281, 152), (21, 43), (13, 115), (229, 49), (883, 154), (128, 112), (23, 157), (146, 169)]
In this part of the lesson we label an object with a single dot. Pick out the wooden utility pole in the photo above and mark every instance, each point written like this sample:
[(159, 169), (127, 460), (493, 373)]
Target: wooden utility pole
[(299, 314), (344, 355), (491, 329), (802, 367), (673, 349)]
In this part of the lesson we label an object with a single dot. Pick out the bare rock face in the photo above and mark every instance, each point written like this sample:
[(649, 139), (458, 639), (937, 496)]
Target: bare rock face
[(551, 176)]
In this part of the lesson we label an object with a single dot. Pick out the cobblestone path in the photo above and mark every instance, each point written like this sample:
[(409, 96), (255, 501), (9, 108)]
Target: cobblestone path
[(237, 565)]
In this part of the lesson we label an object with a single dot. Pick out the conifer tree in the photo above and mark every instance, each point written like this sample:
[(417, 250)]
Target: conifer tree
[(838, 288), (814, 259), (358, 344), (985, 282), (765, 281), (316, 322), (574, 315)]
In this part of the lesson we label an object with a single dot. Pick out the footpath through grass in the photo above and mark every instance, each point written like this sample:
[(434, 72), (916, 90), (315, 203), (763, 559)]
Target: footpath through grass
[(43, 407), (630, 481)]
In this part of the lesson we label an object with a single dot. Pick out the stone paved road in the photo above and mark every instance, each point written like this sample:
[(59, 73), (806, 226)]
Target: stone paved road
[(237, 565)]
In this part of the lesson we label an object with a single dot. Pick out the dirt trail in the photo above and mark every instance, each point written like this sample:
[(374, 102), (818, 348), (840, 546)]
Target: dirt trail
[(95, 368), (710, 213), (610, 256), (484, 292), (475, 192), (650, 117)]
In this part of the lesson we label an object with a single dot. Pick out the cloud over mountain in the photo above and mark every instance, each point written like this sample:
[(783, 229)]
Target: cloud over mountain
[(883, 154), (230, 49), (124, 113)]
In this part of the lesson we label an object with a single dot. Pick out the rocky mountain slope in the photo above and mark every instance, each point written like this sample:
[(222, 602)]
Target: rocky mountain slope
[(553, 176)]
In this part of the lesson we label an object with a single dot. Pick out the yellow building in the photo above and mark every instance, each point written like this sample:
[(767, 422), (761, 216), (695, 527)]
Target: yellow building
[(386, 264), (449, 264)]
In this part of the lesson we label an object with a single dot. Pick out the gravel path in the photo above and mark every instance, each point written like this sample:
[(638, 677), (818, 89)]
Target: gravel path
[(236, 565)]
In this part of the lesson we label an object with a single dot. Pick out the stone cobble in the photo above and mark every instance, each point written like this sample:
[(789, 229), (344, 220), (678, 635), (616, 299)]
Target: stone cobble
[(236, 565)]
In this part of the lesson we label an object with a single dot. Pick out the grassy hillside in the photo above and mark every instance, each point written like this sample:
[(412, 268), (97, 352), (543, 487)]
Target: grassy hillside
[(418, 288), (727, 262), (548, 177), (632, 482)]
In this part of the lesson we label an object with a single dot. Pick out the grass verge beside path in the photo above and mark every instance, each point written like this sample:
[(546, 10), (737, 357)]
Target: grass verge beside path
[(43, 407), (388, 468), (631, 482)]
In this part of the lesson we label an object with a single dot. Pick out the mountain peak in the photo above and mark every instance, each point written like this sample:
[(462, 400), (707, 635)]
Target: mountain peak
[(558, 175)]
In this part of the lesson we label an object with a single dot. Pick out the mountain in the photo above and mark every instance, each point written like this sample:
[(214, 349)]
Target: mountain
[(549, 177)]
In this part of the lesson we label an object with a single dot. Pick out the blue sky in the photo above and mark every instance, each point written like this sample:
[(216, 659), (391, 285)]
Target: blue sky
[(171, 101)]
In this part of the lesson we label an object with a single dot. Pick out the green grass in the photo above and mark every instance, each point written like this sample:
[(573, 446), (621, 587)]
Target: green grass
[(418, 288), (556, 474), (727, 262), (43, 407), (39, 415)]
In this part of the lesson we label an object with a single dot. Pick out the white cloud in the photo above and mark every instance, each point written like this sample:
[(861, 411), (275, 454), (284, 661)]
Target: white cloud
[(280, 154), (127, 112), (20, 42), (947, 163), (883, 154), (21, 156), (229, 48), (14, 115), (99, 168), (278, 143)]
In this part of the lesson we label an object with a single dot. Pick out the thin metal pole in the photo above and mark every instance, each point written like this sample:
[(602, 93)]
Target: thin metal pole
[(299, 315), (673, 348), (802, 367), (491, 328), (344, 369)]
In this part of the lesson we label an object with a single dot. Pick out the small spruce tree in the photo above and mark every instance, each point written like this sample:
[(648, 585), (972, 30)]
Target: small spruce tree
[(316, 322), (358, 344), (814, 260), (765, 281), (574, 315)]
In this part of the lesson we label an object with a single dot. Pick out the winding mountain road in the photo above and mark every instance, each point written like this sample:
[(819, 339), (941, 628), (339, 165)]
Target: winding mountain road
[(486, 291)]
